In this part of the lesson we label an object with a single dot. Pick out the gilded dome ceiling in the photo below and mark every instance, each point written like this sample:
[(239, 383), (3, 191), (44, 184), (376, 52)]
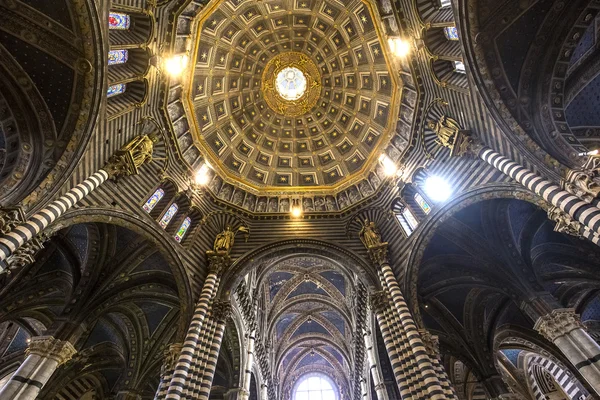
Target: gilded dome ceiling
[(336, 115)]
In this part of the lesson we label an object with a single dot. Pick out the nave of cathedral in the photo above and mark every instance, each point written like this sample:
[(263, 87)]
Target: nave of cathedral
[(300, 199)]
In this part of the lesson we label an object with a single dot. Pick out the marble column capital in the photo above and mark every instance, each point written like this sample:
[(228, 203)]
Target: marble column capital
[(378, 254), (50, 347), (431, 342), (218, 262), (558, 323), (171, 356), (379, 301), (222, 311)]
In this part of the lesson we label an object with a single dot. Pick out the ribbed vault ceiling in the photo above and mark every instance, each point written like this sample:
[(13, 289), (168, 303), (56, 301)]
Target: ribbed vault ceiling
[(266, 148), (309, 320)]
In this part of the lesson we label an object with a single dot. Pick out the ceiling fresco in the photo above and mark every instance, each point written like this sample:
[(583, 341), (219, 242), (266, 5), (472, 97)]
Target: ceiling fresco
[(328, 138)]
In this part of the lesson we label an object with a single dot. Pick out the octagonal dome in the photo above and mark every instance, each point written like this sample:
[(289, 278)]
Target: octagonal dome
[(321, 140)]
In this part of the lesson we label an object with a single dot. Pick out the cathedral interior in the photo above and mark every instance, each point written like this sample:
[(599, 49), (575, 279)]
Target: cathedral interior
[(300, 199)]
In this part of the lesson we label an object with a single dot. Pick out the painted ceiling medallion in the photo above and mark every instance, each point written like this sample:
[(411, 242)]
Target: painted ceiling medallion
[(291, 84)]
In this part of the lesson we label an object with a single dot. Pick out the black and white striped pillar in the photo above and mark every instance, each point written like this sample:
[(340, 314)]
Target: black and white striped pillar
[(221, 315), (581, 211), (187, 359), (564, 328), (44, 355), (37, 223)]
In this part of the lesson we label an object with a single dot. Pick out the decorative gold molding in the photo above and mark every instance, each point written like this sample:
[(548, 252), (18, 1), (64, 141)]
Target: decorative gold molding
[(291, 108)]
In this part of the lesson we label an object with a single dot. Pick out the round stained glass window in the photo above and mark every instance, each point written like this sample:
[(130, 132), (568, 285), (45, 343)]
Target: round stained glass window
[(291, 83)]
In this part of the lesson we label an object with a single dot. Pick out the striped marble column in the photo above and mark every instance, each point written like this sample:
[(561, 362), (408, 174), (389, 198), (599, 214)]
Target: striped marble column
[(195, 381), (126, 161), (564, 328), (192, 341), (44, 355), (24, 232), (581, 211), (249, 362), (380, 389), (379, 303), (222, 314), (432, 345), (171, 356), (424, 374)]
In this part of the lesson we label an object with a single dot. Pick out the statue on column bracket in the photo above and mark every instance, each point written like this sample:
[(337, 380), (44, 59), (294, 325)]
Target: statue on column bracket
[(564, 222), (371, 238), (224, 240), (129, 158), (452, 136), (558, 323), (585, 181), (49, 347)]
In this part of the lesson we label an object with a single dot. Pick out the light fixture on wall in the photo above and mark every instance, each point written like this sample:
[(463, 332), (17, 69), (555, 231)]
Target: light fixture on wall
[(437, 189), (296, 208), (202, 175), (173, 65), (389, 167), (399, 47)]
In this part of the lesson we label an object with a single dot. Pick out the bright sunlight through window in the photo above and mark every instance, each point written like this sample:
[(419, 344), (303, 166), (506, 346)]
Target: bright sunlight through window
[(315, 387)]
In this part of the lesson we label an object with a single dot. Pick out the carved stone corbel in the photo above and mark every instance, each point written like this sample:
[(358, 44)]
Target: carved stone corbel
[(564, 222), (585, 181)]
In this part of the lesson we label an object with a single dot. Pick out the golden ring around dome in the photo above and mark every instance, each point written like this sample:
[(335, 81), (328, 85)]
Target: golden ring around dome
[(302, 105)]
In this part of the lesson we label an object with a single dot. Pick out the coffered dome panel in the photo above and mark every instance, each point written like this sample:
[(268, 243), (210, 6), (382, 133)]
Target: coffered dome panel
[(321, 138)]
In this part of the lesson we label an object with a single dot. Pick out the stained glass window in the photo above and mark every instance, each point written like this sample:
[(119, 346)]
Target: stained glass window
[(422, 203), (153, 200), (408, 221), (459, 67), (117, 57), (114, 90), (451, 33), (183, 228), (164, 221), (118, 21)]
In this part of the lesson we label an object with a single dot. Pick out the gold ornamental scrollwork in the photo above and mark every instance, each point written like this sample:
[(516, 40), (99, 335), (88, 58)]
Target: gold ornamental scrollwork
[(291, 108)]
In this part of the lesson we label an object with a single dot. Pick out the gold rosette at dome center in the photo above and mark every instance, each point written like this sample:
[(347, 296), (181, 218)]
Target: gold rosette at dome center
[(302, 105)]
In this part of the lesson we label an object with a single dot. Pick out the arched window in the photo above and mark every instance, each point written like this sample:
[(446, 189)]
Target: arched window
[(407, 221), (118, 21), (168, 216), (117, 57), (183, 228), (459, 67), (153, 200), (315, 387), (422, 203), (115, 90), (451, 33)]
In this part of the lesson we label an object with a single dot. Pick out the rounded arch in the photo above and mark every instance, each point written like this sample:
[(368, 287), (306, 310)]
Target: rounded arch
[(474, 41), (272, 253), (510, 337), (441, 215), (167, 248), (46, 139)]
